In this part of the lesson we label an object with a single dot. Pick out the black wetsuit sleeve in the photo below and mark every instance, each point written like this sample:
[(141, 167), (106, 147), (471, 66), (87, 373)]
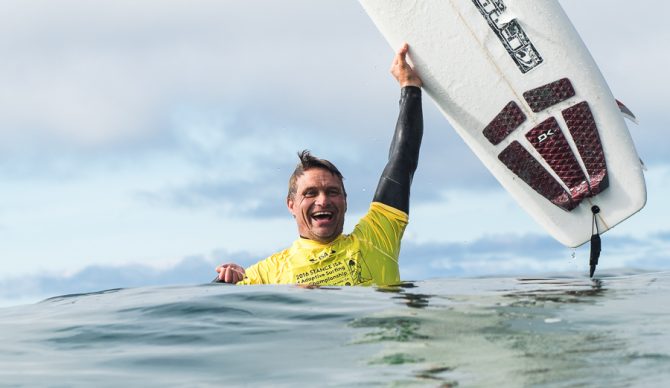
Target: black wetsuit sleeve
[(395, 182)]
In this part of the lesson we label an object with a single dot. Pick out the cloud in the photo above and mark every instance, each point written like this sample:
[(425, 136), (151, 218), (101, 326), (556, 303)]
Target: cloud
[(216, 91), (94, 75), (116, 116), (493, 254), (87, 88), (123, 76), (511, 254), (190, 270)]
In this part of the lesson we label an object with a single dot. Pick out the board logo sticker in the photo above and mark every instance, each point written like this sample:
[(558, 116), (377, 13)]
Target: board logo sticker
[(510, 33), (545, 135)]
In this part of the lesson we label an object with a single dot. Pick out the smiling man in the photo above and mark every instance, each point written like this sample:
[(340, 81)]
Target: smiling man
[(323, 255)]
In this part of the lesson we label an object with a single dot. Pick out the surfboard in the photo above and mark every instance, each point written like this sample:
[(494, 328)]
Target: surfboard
[(517, 83)]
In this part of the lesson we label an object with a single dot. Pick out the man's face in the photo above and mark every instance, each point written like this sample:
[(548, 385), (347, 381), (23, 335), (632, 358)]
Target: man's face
[(319, 205)]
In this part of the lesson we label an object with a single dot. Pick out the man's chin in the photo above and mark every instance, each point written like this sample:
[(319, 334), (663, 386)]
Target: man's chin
[(326, 237)]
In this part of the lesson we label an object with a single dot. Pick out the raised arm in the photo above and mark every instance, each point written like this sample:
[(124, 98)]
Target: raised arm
[(394, 185)]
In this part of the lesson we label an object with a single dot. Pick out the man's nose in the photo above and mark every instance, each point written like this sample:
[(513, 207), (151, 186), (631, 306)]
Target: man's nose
[(322, 199)]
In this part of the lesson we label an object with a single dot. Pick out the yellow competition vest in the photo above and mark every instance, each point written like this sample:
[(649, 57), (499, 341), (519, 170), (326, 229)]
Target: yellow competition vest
[(369, 255)]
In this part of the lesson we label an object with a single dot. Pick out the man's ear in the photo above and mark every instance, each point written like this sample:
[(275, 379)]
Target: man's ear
[(289, 205)]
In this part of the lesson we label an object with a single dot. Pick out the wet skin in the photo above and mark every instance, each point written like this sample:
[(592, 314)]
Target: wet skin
[(318, 205)]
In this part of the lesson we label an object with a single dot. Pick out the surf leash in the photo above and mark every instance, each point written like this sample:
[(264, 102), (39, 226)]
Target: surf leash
[(595, 241)]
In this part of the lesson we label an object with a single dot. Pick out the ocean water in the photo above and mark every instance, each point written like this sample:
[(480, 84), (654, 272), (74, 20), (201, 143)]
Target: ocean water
[(558, 331)]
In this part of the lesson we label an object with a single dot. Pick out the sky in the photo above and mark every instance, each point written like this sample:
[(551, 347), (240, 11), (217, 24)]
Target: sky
[(143, 143)]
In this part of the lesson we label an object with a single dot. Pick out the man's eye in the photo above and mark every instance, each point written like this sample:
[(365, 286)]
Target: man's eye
[(334, 192), (310, 193)]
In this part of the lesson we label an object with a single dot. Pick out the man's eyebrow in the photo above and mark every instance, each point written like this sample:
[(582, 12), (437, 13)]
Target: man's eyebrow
[(317, 187)]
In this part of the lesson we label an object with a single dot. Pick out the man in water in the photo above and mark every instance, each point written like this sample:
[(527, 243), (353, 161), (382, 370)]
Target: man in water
[(323, 255)]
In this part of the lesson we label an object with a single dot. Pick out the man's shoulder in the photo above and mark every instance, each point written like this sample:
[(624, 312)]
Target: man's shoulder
[(381, 220), (379, 208), (281, 255)]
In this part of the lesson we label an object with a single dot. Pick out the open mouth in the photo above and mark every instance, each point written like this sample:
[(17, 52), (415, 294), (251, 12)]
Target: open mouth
[(323, 216)]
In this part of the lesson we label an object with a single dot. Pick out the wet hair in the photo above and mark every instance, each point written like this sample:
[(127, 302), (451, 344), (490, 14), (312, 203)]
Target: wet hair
[(309, 161)]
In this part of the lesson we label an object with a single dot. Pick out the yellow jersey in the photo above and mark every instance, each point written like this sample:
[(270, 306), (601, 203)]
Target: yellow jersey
[(369, 255)]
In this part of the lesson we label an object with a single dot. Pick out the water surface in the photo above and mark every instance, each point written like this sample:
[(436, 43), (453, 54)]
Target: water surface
[(559, 331)]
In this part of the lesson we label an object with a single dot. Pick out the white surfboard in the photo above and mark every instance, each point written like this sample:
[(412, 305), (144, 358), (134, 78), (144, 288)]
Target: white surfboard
[(515, 80)]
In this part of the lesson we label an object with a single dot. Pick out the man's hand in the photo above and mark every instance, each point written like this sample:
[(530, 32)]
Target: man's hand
[(230, 273), (402, 71)]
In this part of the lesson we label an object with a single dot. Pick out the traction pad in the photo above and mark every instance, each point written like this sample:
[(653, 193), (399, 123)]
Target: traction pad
[(549, 140)]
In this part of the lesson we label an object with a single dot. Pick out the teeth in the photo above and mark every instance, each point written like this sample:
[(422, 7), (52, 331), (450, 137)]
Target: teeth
[(318, 214)]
